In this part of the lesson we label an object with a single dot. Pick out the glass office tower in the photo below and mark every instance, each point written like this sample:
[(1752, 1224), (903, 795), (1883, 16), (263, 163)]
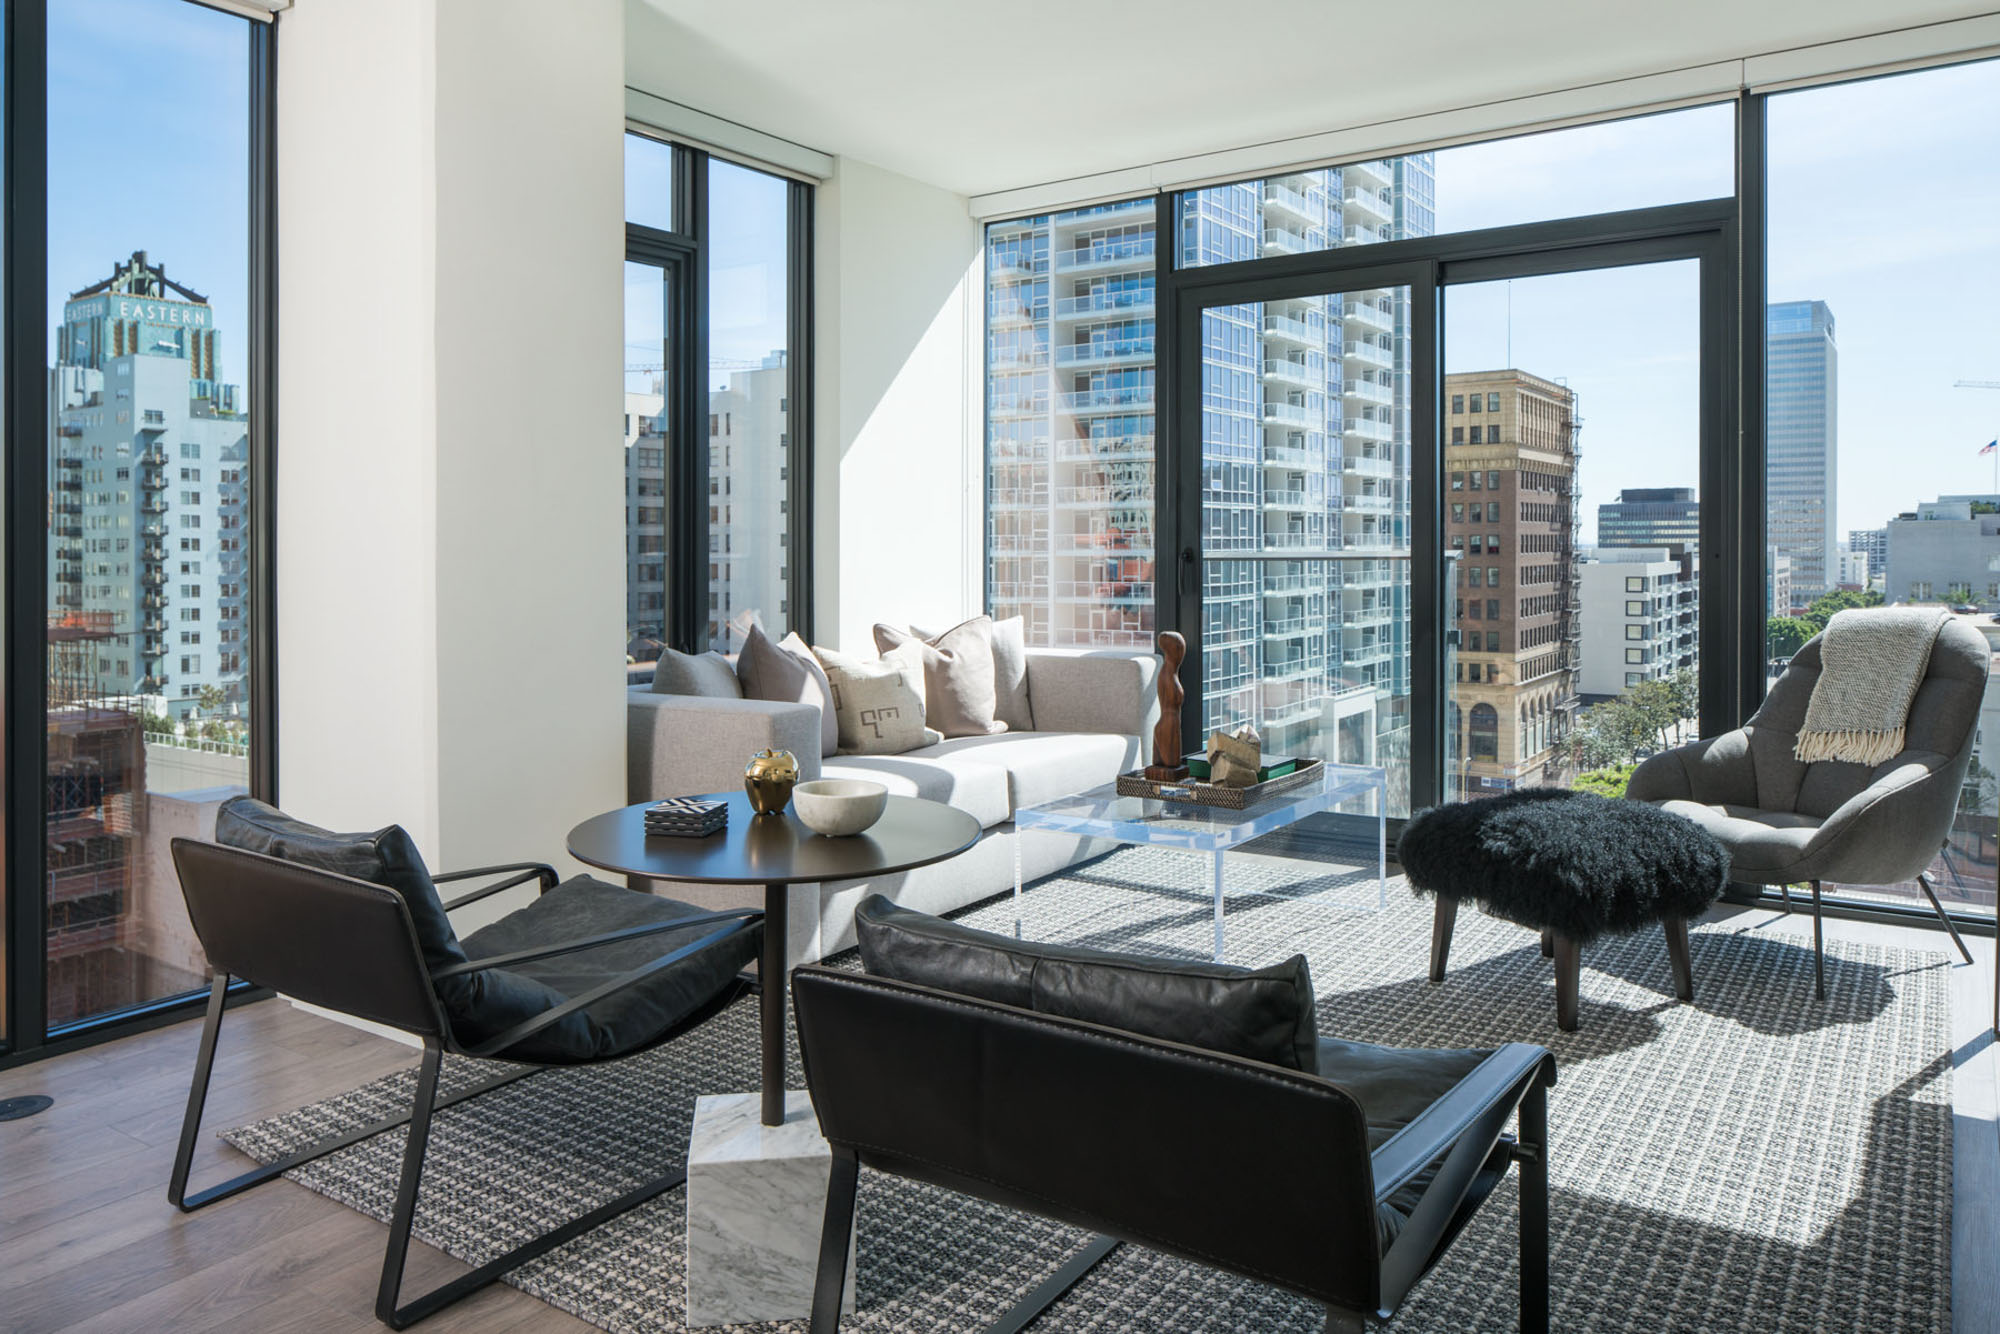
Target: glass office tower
[(1802, 433)]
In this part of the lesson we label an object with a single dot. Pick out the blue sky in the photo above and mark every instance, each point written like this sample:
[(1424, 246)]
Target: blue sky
[(149, 150), (1885, 204)]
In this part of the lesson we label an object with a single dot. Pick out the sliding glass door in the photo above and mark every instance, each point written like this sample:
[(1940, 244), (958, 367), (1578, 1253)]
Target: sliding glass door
[(1303, 578), (1395, 547)]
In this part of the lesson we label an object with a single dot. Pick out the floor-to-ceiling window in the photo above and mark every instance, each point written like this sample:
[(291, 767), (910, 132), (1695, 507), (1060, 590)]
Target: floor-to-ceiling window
[(1882, 389), (717, 464), (143, 636), (1069, 412)]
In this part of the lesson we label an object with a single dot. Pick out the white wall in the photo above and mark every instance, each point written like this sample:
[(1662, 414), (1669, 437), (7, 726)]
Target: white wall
[(899, 435), (451, 594)]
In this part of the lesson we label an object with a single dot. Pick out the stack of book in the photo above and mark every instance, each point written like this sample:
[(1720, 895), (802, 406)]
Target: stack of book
[(686, 817)]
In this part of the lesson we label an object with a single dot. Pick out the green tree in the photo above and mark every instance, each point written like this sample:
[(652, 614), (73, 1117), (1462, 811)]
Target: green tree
[(156, 724), (1841, 599), (1609, 781), (1786, 635), (211, 699)]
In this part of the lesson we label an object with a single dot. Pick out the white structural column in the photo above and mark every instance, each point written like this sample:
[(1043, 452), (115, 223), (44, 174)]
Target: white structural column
[(450, 516)]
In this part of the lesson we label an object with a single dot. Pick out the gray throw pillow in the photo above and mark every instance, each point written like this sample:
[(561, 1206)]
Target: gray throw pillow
[(959, 695), (787, 673), (1262, 1014), (707, 675)]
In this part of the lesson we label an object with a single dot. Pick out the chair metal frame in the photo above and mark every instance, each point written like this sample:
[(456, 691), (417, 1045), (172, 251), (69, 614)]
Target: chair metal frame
[(438, 1041)]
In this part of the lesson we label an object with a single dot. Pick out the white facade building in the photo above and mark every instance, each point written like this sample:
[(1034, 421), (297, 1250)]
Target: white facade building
[(1641, 618)]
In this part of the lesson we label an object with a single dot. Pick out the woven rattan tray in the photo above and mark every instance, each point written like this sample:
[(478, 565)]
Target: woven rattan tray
[(1136, 784)]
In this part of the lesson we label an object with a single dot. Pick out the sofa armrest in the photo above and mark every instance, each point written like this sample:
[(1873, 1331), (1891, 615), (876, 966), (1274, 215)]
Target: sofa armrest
[(1094, 690), (679, 745)]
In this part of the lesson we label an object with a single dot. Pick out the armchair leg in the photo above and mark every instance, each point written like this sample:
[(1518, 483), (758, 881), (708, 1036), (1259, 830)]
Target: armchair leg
[(1548, 944), (1819, 949), (1924, 879), (1532, 1152), (1442, 922), (1676, 929), (831, 1281), (204, 1066), (1569, 965)]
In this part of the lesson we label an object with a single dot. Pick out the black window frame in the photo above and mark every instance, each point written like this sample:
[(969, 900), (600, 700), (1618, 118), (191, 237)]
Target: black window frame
[(684, 250), (24, 482)]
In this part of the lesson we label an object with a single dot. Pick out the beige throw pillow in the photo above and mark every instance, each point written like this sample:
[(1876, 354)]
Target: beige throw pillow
[(959, 697), (706, 675), (1010, 672), (877, 706)]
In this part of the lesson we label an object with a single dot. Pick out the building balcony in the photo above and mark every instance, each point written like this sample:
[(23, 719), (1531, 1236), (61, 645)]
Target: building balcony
[(1372, 316), (152, 685), (1292, 330), (1293, 372), (1017, 405), (1107, 352), (1291, 499), (1362, 200), (1291, 669), (1287, 414), (1366, 504), (1366, 616), (154, 578), (1366, 391), (69, 484), (1294, 456), (154, 457), (154, 625), (1107, 400), (153, 506), (1009, 266), (1296, 203), (1284, 241), (153, 481), (1358, 466), (1134, 301), (1366, 428), (1368, 354), (1017, 358), (1376, 172), (69, 530), (1366, 235), (1291, 627), (1123, 449), (153, 554), (152, 602), (67, 576), (1132, 253)]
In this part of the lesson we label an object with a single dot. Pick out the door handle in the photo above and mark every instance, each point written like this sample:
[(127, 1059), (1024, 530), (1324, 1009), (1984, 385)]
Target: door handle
[(1185, 580)]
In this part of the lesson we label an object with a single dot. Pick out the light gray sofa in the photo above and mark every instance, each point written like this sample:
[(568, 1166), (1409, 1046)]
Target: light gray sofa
[(1093, 712)]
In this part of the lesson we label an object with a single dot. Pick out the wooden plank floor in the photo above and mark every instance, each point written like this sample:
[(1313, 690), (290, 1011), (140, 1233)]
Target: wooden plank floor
[(88, 1241)]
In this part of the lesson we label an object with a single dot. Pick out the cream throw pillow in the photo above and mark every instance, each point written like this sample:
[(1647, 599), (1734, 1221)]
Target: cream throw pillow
[(958, 665), (877, 706)]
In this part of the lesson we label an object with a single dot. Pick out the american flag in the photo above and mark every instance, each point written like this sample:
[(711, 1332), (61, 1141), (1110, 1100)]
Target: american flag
[(1991, 445)]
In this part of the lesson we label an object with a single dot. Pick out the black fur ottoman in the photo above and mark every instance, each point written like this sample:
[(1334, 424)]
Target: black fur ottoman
[(1571, 865)]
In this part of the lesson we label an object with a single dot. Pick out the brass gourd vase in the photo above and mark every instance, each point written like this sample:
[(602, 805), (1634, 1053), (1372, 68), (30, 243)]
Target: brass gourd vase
[(769, 779)]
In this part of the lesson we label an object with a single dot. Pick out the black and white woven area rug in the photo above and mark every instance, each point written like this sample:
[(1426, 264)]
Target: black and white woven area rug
[(1756, 1161)]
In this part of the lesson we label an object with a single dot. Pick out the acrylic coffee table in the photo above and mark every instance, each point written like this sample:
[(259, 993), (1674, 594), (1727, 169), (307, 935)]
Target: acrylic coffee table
[(1102, 813)]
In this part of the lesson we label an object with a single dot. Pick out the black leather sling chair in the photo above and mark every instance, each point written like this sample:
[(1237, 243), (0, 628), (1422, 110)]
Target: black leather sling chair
[(1189, 1108), (352, 922)]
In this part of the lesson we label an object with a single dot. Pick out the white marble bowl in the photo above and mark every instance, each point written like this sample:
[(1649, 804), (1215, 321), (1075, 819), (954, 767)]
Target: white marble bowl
[(837, 807)]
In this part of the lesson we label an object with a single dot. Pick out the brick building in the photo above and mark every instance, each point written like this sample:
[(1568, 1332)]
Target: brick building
[(1511, 520)]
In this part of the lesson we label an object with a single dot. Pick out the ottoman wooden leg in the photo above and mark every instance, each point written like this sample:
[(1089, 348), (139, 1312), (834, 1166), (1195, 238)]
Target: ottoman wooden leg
[(1569, 961), (1441, 923), (1676, 929)]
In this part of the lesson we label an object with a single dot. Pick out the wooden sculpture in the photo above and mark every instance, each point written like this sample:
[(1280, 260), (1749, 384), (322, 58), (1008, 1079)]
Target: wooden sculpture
[(1168, 757)]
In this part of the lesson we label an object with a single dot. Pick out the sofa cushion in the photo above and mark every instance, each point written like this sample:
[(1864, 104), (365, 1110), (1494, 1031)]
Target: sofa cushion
[(788, 673), (1042, 766), (936, 773), (707, 675), (1265, 1014), (1012, 704), (959, 698)]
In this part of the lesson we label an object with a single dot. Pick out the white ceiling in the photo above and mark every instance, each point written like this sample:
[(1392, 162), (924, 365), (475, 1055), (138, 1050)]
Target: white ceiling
[(986, 95)]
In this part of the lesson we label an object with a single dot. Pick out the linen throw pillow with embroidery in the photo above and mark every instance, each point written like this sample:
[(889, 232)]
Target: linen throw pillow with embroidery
[(959, 693), (876, 705)]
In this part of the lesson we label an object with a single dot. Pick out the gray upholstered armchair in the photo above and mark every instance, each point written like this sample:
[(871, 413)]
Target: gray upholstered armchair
[(1785, 822)]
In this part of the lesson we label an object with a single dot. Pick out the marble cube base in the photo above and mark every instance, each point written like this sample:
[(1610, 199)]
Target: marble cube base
[(756, 1196)]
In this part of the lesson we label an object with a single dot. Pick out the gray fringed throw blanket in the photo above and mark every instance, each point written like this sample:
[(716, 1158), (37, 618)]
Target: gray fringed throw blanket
[(1870, 665)]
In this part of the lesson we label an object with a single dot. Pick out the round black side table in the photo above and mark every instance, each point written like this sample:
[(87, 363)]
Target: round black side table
[(774, 851)]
